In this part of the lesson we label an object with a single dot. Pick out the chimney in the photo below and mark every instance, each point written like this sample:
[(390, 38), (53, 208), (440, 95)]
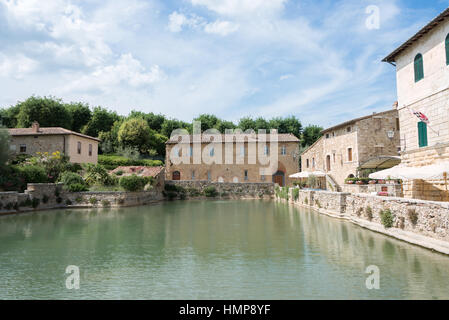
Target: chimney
[(395, 105), (35, 126)]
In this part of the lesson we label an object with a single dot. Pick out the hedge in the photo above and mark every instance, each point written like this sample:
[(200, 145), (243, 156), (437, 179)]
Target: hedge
[(111, 162), (133, 183)]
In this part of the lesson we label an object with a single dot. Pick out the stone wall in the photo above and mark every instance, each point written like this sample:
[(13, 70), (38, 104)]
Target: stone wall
[(394, 190), (52, 196), (243, 190), (425, 223)]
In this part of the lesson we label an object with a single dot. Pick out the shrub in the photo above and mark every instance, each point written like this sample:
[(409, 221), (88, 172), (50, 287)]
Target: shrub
[(9, 206), (77, 187), (68, 202), (193, 192), (132, 183), (105, 203), (45, 199), (119, 173), (296, 194), (359, 211), (98, 175), (59, 200), (112, 162), (387, 218), (318, 204), (171, 187), (369, 213), (33, 174), (93, 201), (413, 216), (306, 200), (79, 199), (171, 195), (210, 192), (68, 178), (402, 222)]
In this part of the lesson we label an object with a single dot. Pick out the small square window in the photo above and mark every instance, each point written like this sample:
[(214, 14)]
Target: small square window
[(23, 148)]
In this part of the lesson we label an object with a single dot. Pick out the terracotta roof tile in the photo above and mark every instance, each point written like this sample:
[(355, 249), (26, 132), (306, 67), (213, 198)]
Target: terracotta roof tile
[(46, 132), (282, 137)]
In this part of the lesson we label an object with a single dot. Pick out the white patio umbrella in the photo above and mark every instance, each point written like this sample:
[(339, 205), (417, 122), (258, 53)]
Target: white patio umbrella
[(431, 172), (306, 174)]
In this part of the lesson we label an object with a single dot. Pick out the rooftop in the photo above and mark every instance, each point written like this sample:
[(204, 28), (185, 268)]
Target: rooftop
[(356, 120), (282, 137), (36, 130), (432, 24), (140, 171)]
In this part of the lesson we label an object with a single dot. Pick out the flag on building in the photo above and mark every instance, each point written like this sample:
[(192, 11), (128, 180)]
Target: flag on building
[(421, 116)]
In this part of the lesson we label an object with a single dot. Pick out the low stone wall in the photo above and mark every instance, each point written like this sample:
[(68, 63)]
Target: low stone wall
[(425, 223), (52, 196), (239, 190), (394, 190)]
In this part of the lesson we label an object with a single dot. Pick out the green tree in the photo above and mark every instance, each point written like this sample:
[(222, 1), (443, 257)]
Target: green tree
[(170, 125), (310, 134), (48, 111), (8, 117), (102, 120), (208, 121), (223, 125), (4, 146), (80, 114), (109, 139), (155, 121), (247, 123), (135, 132), (287, 125)]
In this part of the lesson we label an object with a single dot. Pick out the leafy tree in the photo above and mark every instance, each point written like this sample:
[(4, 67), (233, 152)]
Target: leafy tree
[(223, 125), (8, 117), (208, 121), (155, 121), (247, 123), (102, 120), (261, 124), (310, 134), (287, 125), (170, 125), (4, 146), (48, 111), (135, 132), (109, 139), (80, 114)]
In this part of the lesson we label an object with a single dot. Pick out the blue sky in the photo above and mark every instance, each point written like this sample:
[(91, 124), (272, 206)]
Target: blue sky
[(316, 60)]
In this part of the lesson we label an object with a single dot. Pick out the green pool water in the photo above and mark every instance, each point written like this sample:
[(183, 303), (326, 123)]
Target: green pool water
[(209, 250)]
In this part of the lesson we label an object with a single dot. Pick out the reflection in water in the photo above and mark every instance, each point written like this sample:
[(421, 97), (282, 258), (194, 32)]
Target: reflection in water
[(209, 250)]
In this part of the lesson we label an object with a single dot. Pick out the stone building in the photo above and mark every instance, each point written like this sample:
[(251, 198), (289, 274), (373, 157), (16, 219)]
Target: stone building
[(241, 166), (422, 74), (363, 143), (78, 147)]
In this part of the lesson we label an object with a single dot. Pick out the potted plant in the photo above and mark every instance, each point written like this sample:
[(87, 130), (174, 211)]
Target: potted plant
[(372, 182), (382, 181), (360, 182)]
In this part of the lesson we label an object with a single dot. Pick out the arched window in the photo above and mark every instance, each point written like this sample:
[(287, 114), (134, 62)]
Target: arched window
[(447, 50), (176, 176), (419, 67)]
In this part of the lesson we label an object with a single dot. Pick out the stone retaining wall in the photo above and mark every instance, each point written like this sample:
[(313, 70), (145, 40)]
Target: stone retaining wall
[(394, 190), (52, 196), (425, 223), (243, 190)]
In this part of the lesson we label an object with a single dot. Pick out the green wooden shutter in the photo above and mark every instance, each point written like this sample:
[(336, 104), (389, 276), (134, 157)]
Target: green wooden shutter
[(422, 134), (419, 67), (447, 49)]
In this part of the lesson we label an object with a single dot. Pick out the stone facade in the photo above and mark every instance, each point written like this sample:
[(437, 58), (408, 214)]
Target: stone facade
[(430, 95), (241, 169), (231, 190), (343, 148), (425, 223), (79, 148)]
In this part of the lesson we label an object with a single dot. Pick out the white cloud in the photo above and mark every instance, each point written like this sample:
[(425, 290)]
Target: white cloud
[(222, 28), (127, 71), (286, 76), (177, 21), (242, 7), (16, 66)]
